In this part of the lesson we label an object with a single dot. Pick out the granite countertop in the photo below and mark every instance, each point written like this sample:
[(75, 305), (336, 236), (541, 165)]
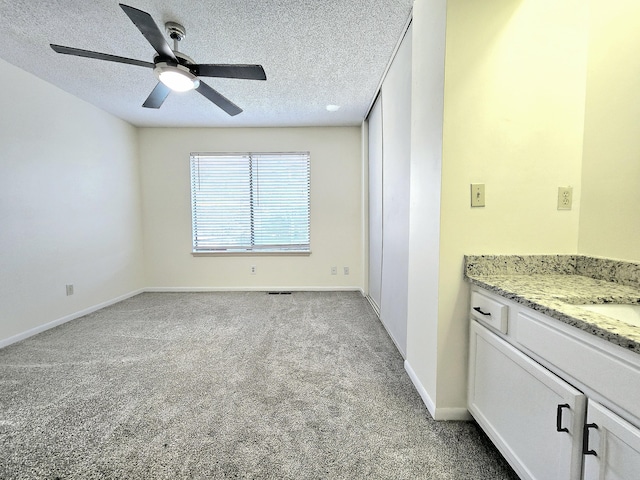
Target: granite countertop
[(555, 284)]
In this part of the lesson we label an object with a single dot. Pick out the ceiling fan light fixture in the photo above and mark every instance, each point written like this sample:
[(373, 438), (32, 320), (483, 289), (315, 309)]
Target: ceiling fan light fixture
[(177, 77), (174, 70)]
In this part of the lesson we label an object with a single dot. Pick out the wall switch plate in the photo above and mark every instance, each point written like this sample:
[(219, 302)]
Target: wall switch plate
[(565, 198), (346, 270), (477, 194), (69, 290), (334, 270)]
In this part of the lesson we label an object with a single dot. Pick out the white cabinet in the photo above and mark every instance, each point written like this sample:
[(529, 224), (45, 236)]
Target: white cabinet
[(612, 446), (532, 416), (558, 402)]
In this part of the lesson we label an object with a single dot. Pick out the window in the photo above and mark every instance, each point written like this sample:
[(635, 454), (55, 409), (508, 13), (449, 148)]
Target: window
[(250, 202)]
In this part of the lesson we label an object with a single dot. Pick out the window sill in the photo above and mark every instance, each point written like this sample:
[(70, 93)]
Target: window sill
[(250, 254)]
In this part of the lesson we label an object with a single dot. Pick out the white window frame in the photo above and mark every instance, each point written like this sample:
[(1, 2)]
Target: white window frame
[(250, 203)]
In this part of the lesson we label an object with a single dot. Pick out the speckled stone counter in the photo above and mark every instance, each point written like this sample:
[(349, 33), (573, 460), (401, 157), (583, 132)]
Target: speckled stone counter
[(555, 284)]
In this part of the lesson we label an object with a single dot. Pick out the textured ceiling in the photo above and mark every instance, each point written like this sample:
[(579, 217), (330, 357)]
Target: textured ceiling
[(315, 53)]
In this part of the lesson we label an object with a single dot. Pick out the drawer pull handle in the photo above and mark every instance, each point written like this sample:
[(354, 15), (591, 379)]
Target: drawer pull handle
[(585, 439), (479, 310), (559, 427)]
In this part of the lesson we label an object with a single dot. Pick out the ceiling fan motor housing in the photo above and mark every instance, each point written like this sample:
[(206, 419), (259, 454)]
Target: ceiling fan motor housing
[(175, 31)]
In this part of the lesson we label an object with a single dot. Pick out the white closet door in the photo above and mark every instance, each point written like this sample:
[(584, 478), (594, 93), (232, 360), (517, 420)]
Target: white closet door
[(375, 203), (396, 173)]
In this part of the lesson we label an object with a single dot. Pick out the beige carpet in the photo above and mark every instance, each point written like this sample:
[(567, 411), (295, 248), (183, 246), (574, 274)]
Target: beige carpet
[(226, 385)]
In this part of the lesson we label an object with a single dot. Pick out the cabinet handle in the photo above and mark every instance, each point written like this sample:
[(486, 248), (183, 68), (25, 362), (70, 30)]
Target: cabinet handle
[(479, 310), (559, 427), (585, 439)]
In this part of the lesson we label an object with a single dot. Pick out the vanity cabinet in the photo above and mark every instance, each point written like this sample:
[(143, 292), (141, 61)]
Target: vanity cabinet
[(564, 422), (534, 417), (612, 446)]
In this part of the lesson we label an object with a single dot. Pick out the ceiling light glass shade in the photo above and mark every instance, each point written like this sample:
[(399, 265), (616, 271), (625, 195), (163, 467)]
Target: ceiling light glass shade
[(333, 108), (177, 77)]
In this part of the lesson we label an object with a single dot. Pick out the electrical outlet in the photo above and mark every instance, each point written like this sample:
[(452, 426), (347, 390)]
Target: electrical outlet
[(346, 270), (69, 290), (334, 270), (565, 198), (477, 194), (253, 269)]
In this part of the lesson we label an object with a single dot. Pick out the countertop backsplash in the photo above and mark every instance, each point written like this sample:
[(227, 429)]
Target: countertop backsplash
[(609, 270)]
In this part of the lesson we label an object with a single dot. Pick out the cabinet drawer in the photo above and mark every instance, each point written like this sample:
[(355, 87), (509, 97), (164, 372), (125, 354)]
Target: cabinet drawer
[(490, 312)]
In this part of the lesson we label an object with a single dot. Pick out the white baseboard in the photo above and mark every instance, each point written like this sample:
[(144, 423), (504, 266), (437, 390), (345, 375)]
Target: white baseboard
[(453, 414), (430, 404), (437, 413), (373, 305), (252, 289), (67, 318)]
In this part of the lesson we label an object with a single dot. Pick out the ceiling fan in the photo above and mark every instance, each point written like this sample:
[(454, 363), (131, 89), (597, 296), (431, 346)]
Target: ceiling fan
[(175, 70)]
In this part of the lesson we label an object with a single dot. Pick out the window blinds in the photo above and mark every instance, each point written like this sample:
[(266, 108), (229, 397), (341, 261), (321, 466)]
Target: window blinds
[(250, 202)]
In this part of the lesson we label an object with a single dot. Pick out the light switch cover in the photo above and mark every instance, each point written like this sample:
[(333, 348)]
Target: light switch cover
[(477, 194)]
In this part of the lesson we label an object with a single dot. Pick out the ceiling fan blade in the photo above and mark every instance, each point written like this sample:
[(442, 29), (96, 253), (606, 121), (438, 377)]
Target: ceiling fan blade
[(99, 56), (223, 102), (150, 30), (248, 72), (157, 96)]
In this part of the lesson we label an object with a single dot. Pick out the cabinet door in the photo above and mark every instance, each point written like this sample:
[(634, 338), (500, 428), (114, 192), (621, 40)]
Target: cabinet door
[(613, 445), (533, 417)]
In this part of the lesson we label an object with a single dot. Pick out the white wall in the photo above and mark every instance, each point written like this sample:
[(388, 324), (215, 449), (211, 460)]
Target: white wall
[(514, 112), (513, 120), (69, 205), (609, 215), (427, 105), (336, 210)]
